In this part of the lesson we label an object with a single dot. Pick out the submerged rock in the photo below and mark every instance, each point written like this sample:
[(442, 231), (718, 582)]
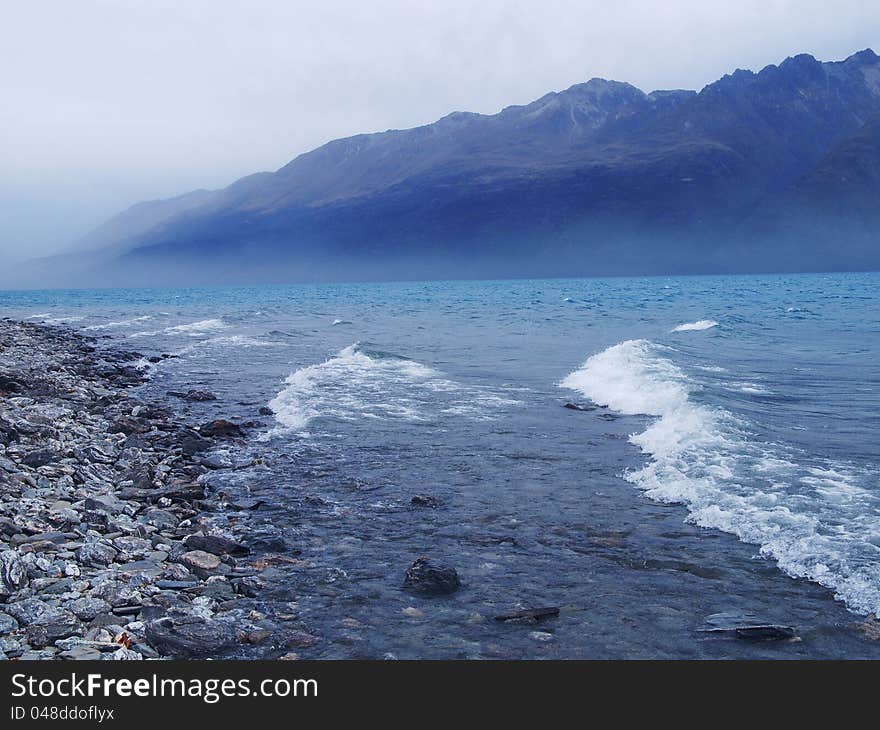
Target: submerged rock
[(426, 578), (193, 395), (746, 627), (426, 500), (766, 632), (529, 615)]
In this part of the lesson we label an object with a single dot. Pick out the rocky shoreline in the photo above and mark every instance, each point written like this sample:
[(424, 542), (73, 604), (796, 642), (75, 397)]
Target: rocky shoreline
[(107, 545)]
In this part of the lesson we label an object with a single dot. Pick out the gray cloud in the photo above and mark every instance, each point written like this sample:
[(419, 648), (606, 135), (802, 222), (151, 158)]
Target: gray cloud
[(108, 102)]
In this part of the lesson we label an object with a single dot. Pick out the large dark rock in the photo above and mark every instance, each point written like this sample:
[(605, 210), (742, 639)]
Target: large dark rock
[(191, 636), (426, 578), (129, 425), (191, 442), (216, 545), (221, 428)]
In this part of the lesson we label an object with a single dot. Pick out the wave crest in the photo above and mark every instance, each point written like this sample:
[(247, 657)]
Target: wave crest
[(817, 522), (700, 324)]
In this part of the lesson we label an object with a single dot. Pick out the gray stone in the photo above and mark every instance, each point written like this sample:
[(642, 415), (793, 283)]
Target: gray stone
[(200, 560), (13, 574), (123, 654), (7, 623), (135, 547), (81, 653), (160, 519), (96, 553), (40, 635), (34, 611), (88, 608)]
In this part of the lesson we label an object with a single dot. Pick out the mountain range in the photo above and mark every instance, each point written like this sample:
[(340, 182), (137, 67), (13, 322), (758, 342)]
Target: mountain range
[(777, 170)]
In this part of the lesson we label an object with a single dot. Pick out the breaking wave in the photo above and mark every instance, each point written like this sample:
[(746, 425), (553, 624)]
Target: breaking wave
[(362, 384), (816, 520)]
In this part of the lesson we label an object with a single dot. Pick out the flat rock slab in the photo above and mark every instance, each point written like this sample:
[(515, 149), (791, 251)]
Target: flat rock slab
[(200, 559), (190, 636)]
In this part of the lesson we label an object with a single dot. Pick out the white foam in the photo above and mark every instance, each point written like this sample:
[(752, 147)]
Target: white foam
[(702, 324), (358, 384), (816, 522), (63, 320), (750, 388), (120, 323), (238, 341), (193, 329), (198, 328)]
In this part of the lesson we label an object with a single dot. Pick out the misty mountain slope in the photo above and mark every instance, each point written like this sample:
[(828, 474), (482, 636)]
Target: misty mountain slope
[(140, 218), (599, 178), (838, 201)]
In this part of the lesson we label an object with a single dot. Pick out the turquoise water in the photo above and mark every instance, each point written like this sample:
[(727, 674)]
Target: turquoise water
[(732, 466)]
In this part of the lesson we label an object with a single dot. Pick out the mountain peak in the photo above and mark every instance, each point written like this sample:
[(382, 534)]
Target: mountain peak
[(863, 58), (801, 59)]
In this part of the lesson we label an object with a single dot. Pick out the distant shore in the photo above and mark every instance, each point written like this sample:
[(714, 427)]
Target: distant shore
[(106, 546)]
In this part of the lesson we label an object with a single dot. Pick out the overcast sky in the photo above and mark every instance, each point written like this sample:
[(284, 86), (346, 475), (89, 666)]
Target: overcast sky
[(109, 102)]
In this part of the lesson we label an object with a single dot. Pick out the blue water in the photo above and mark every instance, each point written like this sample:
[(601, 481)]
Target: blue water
[(732, 467)]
